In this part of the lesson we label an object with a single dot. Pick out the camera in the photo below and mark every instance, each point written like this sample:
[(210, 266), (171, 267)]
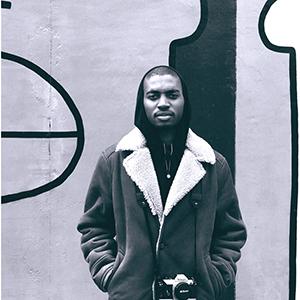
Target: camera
[(180, 288)]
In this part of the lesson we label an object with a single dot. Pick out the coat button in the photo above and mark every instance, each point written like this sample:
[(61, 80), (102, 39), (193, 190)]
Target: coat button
[(195, 204), (143, 204)]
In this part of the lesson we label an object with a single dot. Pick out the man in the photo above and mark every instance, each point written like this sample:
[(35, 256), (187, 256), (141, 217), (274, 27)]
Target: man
[(162, 219)]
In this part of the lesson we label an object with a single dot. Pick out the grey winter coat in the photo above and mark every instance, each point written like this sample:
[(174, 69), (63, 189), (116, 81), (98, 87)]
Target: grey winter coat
[(129, 239)]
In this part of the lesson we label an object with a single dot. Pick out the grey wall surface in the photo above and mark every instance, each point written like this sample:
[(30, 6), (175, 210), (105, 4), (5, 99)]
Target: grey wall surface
[(263, 160), (98, 51)]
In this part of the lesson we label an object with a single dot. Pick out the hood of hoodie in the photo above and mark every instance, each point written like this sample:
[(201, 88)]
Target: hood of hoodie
[(151, 134)]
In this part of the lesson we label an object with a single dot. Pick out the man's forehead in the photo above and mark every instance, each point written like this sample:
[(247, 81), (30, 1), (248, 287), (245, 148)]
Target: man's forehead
[(166, 81)]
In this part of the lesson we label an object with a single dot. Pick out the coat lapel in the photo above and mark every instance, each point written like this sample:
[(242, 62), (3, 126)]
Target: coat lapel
[(190, 170), (189, 173), (140, 168)]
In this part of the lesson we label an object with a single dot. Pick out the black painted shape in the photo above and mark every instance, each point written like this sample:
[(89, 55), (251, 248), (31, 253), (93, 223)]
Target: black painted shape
[(192, 38), (206, 60), (6, 4), (79, 126), (39, 134), (294, 142)]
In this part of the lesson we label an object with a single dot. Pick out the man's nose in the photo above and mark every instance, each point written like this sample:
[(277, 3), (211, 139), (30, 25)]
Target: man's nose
[(163, 102)]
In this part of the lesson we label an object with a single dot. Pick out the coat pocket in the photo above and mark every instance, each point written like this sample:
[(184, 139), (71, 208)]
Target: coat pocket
[(219, 274), (117, 263)]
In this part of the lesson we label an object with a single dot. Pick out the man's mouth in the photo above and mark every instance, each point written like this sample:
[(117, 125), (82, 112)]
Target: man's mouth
[(163, 114)]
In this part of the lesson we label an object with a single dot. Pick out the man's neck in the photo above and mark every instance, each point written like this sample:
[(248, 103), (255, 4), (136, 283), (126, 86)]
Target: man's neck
[(167, 135)]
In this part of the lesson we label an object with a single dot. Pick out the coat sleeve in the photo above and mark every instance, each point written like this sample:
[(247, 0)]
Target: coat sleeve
[(97, 226), (229, 234)]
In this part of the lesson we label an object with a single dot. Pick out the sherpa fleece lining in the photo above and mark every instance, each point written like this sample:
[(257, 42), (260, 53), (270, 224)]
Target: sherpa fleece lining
[(140, 168)]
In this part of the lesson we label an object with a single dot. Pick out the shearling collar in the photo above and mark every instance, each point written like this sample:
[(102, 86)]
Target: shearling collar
[(140, 168), (135, 140)]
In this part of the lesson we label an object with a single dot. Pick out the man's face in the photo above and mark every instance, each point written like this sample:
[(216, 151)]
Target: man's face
[(163, 100)]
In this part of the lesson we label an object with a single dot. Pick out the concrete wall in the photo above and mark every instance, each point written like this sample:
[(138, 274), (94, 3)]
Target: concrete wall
[(263, 159), (98, 52)]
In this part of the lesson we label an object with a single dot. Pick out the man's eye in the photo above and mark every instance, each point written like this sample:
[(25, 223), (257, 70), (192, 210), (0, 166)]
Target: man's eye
[(173, 96), (152, 96)]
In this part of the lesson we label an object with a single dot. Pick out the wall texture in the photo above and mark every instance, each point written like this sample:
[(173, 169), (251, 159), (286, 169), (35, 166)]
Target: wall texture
[(99, 52), (263, 159)]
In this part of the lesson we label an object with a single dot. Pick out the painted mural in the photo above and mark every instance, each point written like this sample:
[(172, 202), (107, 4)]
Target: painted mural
[(70, 73)]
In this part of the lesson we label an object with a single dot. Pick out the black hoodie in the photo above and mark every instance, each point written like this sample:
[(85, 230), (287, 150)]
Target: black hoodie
[(154, 143)]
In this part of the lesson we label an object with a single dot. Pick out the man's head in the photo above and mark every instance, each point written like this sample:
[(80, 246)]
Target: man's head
[(166, 83), (163, 97)]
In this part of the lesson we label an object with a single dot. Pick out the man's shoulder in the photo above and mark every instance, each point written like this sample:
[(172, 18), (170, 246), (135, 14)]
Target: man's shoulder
[(220, 159), (127, 143), (109, 151), (222, 166), (112, 152)]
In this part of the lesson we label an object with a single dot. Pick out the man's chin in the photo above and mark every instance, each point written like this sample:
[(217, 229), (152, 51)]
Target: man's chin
[(164, 125)]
